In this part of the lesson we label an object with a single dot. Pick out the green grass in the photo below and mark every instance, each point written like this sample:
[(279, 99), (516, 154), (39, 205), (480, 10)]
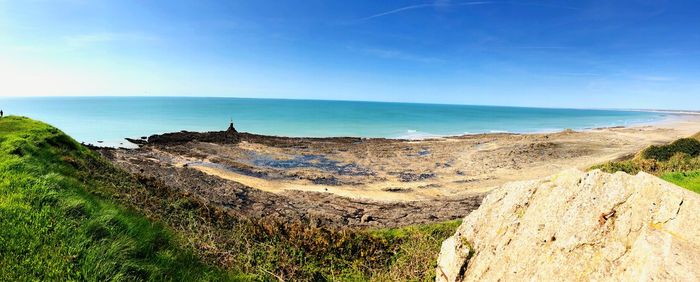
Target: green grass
[(51, 228), (418, 250), (689, 180), (68, 214)]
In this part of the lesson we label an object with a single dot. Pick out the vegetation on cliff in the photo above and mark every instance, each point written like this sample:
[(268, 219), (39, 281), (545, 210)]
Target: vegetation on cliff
[(68, 214), (53, 228), (687, 146), (677, 162)]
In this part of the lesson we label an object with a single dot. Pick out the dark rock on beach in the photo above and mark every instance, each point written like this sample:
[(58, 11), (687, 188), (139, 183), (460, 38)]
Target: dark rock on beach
[(410, 177), (137, 141), (223, 137)]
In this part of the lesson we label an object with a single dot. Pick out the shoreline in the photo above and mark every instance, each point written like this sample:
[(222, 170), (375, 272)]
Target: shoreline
[(672, 119), (402, 169)]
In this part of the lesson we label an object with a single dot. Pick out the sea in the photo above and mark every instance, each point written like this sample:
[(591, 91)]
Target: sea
[(107, 121)]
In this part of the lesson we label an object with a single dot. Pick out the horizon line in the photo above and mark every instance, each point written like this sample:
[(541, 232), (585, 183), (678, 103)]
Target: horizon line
[(364, 101)]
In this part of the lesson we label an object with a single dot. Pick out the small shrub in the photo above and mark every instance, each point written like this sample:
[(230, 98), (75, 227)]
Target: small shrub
[(688, 146), (630, 167)]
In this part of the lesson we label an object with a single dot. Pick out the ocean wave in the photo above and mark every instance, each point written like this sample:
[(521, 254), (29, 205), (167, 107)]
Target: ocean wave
[(417, 135)]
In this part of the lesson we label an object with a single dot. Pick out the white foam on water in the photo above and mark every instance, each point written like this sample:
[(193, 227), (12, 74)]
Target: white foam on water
[(416, 135)]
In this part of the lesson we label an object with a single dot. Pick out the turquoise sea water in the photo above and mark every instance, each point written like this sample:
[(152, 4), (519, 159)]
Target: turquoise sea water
[(110, 119)]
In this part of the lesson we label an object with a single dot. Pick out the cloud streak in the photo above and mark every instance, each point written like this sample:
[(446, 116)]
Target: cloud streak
[(422, 6), (459, 4), (104, 37), (391, 54), (654, 78)]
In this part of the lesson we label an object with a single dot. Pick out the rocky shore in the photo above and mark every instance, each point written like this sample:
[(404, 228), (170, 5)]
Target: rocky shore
[(316, 209), (359, 182)]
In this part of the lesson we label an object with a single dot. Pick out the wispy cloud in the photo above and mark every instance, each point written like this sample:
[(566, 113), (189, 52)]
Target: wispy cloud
[(577, 74), (654, 78), (541, 47), (105, 37), (423, 6), (396, 55), (446, 3)]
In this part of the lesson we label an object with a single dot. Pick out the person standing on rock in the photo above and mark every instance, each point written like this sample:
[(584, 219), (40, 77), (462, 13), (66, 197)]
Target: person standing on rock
[(1, 113)]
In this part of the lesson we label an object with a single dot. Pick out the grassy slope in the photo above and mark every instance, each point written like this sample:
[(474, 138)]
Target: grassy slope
[(51, 229), (677, 162), (65, 213), (689, 180)]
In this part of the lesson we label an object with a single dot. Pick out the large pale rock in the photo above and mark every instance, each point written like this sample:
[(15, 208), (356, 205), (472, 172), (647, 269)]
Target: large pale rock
[(577, 226)]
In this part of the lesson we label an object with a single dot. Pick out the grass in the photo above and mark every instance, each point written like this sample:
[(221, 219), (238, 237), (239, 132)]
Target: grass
[(689, 180), (68, 214), (51, 228), (418, 250), (270, 250), (677, 162)]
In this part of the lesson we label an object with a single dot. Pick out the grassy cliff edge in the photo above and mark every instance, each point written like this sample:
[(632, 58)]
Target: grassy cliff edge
[(53, 228)]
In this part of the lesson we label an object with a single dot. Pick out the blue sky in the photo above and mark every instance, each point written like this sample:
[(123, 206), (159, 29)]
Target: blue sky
[(582, 54)]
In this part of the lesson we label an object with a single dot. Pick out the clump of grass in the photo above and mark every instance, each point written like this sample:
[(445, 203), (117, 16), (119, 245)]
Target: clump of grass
[(417, 254), (628, 166), (680, 162)]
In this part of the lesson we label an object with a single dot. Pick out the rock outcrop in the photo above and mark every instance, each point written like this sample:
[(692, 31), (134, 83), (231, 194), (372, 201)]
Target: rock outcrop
[(229, 136), (577, 226)]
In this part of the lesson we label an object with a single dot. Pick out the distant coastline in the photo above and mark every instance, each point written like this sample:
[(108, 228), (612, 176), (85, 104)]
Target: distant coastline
[(675, 112)]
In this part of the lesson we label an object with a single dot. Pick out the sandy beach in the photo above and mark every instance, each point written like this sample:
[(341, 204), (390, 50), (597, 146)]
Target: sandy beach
[(386, 172)]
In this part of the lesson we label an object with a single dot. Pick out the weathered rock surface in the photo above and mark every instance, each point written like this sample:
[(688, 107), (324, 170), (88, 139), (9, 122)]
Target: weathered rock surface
[(577, 226)]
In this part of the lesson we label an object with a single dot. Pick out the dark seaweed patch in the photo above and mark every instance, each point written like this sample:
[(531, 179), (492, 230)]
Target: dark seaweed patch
[(311, 161)]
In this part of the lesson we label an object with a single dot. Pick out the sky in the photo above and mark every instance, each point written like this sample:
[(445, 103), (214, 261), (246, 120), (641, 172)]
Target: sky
[(574, 54)]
